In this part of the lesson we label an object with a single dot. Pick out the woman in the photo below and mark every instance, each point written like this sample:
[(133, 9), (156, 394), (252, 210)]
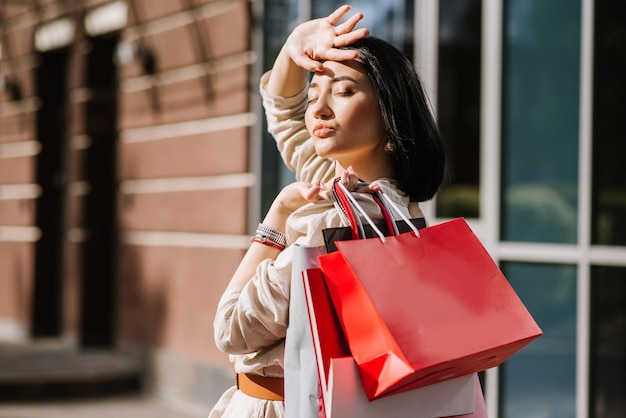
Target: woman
[(364, 112)]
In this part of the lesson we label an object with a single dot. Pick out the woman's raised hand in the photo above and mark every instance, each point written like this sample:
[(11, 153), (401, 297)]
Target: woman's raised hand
[(317, 40)]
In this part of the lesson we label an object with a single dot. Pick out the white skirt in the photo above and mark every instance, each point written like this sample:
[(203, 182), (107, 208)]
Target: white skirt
[(236, 404)]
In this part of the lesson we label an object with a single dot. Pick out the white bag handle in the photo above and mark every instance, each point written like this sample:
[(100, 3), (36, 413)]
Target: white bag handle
[(386, 200)]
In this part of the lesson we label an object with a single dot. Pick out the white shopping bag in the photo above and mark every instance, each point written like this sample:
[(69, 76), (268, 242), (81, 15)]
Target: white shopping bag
[(346, 397), (301, 378)]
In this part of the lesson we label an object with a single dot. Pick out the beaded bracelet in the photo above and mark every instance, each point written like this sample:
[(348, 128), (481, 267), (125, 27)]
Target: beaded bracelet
[(268, 243), (268, 233), (270, 236)]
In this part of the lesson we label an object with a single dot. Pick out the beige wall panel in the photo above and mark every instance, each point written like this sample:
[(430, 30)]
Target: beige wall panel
[(17, 170), (132, 69), (168, 296), (75, 211), (16, 128), (230, 96), (77, 64), (71, 290), (20, 212), (47, 2), (16, 271), (75, 165), (228, 101), (27, 81), (151, 9), (199, 155), (227, 33), (15, 9), (183, 101), (135, 110), (174, 48), (77, 118), (21, 38), (213, 211), (95, 3), (229, 84)]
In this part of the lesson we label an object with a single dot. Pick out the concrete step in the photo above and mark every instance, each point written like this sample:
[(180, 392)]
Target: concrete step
[(44, 371)]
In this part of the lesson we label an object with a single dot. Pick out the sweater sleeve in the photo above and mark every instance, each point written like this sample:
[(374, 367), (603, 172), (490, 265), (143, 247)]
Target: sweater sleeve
[(255, 316), (285, 122)]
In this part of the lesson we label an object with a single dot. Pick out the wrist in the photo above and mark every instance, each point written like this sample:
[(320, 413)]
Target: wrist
[(270, 236), (277, 215)]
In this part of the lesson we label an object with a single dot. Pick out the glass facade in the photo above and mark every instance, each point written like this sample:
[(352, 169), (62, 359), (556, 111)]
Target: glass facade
[(458, 105), (540, 101), (609, 130), (608, 342), (540, 380)]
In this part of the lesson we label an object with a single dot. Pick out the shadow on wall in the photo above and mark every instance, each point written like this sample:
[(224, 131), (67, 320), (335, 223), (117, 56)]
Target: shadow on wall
[(142, 303), (163, 320)]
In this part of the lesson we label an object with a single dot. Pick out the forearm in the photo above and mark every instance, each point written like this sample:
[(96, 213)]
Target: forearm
[(276, 218), (286, 79)]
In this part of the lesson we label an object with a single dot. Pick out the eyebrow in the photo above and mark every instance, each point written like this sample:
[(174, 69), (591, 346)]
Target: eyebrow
[(335, 80)]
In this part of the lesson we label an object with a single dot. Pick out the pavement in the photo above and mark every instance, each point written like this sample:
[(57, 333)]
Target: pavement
[(49, 379), (138, 406)]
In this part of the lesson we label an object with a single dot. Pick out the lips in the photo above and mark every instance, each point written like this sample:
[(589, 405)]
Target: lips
[(322, 130)]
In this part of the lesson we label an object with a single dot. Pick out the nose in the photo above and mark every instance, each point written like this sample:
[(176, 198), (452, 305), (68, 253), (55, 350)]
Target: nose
[(321, 108)]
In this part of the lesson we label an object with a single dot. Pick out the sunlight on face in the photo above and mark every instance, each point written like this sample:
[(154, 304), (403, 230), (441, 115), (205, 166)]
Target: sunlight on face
[(343, 116)]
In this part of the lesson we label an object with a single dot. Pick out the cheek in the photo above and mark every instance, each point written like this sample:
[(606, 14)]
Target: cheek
[(309, 120), (367, 117)]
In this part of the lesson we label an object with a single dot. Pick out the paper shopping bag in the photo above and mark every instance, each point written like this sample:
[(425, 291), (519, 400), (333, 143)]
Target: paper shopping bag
[(343, 393), (302, 394), (418, 310)]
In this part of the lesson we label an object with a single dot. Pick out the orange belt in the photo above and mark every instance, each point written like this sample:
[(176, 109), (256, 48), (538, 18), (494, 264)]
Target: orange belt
[(270, 388)]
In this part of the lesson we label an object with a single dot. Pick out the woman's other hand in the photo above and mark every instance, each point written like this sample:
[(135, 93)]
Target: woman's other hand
[(350, 179), (297, 194)]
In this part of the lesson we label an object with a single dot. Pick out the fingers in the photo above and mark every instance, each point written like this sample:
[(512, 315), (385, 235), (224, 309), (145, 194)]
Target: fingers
[(315, 191), (345, 31), (371, 188), (311, 192), (350, 37), (308, 63), (349, 24), (349, 179), (336, 16), (318, 40)]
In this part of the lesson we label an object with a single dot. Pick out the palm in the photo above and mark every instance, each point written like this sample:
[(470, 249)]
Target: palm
[(317, 40)]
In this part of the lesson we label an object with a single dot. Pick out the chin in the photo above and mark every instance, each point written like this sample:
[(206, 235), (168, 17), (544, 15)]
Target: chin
[(323, 153)]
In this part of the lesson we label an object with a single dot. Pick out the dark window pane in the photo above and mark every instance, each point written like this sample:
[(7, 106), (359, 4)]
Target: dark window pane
[(279, 17), (458, 103), (609, 146), (540, 100), (608, 342), (540, 380)]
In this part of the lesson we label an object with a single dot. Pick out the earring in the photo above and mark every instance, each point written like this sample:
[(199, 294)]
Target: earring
[(390, 147)]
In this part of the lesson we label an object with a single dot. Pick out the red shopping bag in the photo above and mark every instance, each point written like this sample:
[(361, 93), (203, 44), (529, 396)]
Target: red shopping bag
[(422, 307), (342, 392)]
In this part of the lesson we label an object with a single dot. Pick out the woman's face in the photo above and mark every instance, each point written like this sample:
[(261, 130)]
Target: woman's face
[(343, 116)]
